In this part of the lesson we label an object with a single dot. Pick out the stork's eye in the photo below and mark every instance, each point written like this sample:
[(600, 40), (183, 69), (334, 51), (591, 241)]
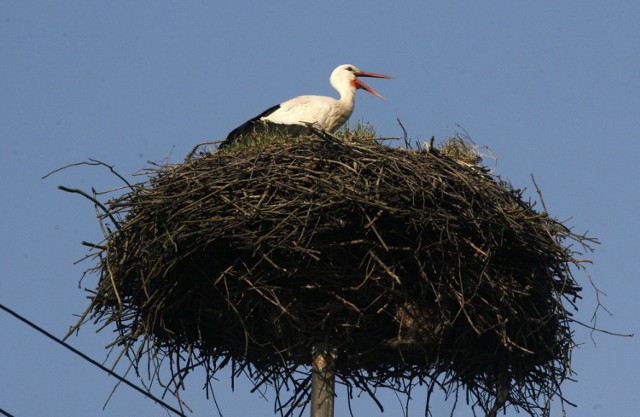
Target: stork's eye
[(350, 69)]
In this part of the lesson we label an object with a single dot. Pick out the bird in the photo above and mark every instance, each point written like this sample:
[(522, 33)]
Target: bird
[(296, 116)]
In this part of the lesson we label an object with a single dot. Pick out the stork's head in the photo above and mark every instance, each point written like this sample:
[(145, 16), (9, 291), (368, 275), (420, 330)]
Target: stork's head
[(348, 74)]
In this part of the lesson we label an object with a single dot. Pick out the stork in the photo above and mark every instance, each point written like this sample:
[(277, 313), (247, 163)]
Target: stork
[(296, 115)]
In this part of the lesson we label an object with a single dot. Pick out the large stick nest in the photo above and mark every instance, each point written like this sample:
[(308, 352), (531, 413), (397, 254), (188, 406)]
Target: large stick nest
[(417, 267)]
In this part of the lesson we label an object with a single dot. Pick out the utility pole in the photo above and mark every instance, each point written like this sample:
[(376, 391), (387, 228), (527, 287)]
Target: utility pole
[(323, 380)]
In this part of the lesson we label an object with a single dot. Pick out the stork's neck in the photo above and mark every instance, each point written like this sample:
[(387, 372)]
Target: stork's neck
[(343, 107), (347, 93)]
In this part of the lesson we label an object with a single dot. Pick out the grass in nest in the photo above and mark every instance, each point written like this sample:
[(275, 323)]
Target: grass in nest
[(360, 131)]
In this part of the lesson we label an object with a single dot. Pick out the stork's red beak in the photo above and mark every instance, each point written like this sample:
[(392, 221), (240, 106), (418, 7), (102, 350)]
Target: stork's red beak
[(360, 84)]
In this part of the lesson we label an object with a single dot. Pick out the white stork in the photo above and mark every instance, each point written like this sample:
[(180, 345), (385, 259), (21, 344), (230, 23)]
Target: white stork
[(296, 115)]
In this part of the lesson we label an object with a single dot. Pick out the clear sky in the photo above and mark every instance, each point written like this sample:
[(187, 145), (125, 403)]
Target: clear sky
[(553, 88)]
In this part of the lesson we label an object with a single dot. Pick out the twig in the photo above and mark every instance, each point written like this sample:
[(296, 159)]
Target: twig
[(544, 206), (195, 148), (93, 162), (93, 200), (405, 136)]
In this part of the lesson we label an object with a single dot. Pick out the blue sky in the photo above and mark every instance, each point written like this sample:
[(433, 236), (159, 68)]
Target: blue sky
[(553, 88)]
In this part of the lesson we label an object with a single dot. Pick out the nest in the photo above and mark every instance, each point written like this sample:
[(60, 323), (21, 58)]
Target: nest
[(414, 266)]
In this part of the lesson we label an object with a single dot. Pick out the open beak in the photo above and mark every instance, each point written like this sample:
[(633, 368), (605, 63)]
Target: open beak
[(360, 84)]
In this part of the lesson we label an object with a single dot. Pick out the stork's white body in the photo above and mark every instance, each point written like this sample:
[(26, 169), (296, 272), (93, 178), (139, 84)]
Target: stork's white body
[(325, 113)]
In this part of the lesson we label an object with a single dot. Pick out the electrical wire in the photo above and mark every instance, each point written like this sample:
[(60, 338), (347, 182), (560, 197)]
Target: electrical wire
[(88, 359), (4, 413)]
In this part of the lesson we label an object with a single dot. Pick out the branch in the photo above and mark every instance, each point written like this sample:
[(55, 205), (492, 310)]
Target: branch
[(93, 200)]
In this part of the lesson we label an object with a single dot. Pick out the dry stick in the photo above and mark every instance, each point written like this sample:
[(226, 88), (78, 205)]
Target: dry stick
[(323, 381), (93, 162), (93, 200), (405, 135), (195, 148)]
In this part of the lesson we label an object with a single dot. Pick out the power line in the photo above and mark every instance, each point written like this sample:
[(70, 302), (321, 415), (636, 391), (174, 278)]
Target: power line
[(88, 359), (4, 413)]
